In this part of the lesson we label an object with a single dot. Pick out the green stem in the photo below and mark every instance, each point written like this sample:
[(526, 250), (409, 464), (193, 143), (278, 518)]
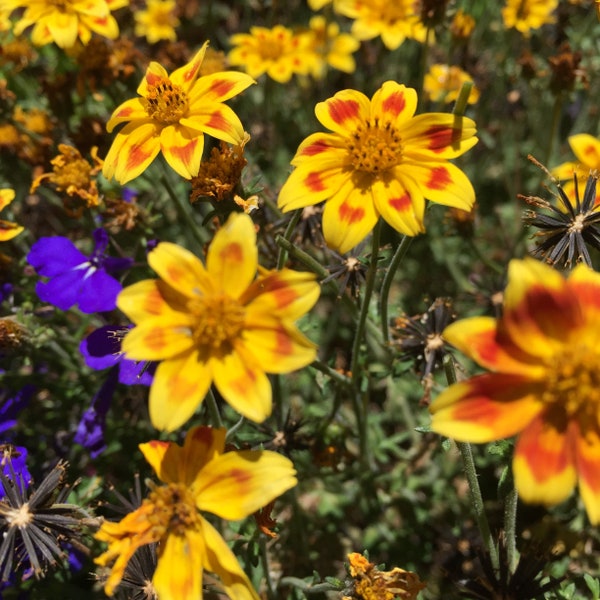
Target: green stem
[(335, 375), (213, 409), (510, 528), (289, 230), (306, 259), (186, 213), (360, 398), (271, 595), (471, 474), (556, 110), (387, 284)]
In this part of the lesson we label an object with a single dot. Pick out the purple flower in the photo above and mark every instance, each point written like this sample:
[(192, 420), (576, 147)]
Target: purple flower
[(13, 460), (101, 350), (74, 277), (11, 406)]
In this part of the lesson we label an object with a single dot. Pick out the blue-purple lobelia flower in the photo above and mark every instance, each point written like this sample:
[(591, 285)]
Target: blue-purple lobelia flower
[(101, 350), (13, 459), (75, 278)]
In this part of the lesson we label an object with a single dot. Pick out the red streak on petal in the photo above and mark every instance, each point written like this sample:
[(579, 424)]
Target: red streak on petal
[(218, 121), (155, 339), (136, 156), (284, 344), (440, 178), (125, 112), (342, 110), (241, 477), (350, 214), (189, 74), (221, 86), (158, 444), (394, 103), (315, 148), (203, 435), (232, 253), (153, 79), (184, 153), (153, 302), (284, 296), (402, 204), (441, 136), (589, 150), (314, 182)]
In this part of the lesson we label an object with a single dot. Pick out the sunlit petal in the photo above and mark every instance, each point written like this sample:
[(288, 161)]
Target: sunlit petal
[(182, 149), (344, 112)]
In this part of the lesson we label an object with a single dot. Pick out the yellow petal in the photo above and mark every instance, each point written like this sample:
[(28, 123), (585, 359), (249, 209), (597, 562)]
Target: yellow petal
[(182, 149), (181, 270), (243, 385), (178, 574), (587, 149), (344, 112), (178, 388), (236, 484), (187, 75), (160, 338), (232, 258), (221, 560)]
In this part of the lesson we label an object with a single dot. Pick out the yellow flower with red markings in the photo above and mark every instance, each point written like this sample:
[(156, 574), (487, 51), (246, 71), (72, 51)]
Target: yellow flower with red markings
[(171, 116), (544, 384), (218, 323), (394, 21), (525, 15), (66, 21), (379, 160), (8, 229), (198, 476), (587, 152)]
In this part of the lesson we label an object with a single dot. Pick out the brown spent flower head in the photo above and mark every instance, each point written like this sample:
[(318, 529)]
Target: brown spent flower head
[(121, 213), (72, 174), (13, 335), (369, 583), (220, 176), (566, 230), (433, 12), (34, 528), (350, 270), (566, 71), (18, 53)]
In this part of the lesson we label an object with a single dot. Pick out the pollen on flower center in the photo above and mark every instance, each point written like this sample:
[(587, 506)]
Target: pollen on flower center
[(574, 382), (218, 321), (374, 147), (174, 510), (166, 102)]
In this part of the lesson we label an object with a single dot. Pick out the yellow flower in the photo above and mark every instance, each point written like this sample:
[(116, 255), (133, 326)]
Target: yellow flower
[(393, 21), (198, 476), (543, 385), (462, 25), (66, 21), (525, 15), (217, 323), (380, 160), (443, 83), (72, 174), (8, 230), (330, 47), (158, 22), (171, 116), (278, 52), (587, 152)]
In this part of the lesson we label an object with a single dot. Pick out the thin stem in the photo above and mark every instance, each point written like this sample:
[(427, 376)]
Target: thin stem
[(233, 429), (359, 397), (271, 595), (186, 214), (510, 528), (306, 259), (286, 236), (471, 474), (213, 409), (556, 110), (387, 284), (333, 374)]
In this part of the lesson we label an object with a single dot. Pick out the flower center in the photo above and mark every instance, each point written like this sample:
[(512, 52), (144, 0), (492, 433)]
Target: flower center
[(61, 5), (219, 320), (574, 383), (271, 48), (374, 147), (166, 102), (174, 510)]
